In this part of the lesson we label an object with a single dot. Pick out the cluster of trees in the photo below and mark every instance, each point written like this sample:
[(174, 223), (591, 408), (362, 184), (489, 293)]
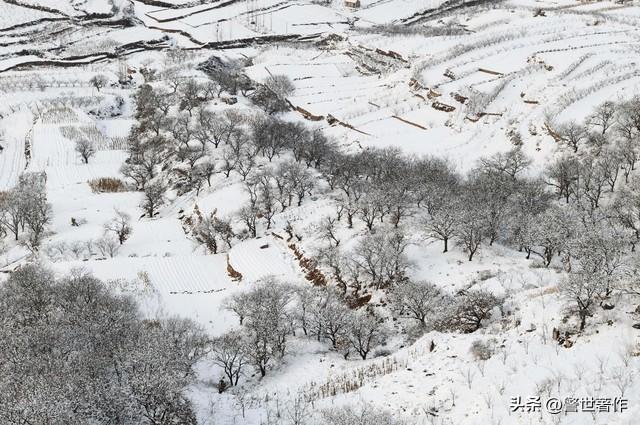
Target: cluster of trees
[(597, 227), (269, 95), (74, 352), (431, 308), (377, 260), (185, 151), (24, 210), (557, 215), (379, 185), (579, 210), (273, 311)]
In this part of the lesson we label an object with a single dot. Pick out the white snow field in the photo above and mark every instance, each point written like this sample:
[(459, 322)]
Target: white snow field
[(441, 78)]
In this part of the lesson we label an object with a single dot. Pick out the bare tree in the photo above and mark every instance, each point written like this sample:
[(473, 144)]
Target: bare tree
[(573, 134), (471, 308), (249, 216), (512, 163), (86, 149), (212, 232), (328, 230), (37, 213), (331, 318), (381, 258), (153, 197), (120, 226), (366, 331), (563, 175), (604, 116), (470, 229), (441, 223), (271, 95), (12, 211), (268, 322), (582, 290), (99, 81), (108, 245), (228, 352), (190, 96), (280, 84), (418, 300)]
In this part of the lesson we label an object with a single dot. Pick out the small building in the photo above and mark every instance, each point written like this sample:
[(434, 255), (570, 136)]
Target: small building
[(354, 4)]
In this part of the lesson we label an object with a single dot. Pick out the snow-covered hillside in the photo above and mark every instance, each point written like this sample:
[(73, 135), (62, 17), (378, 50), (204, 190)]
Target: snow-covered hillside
[(287, 175)]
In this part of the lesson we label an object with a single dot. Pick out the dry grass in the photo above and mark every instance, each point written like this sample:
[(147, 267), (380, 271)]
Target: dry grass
[(107, 185)]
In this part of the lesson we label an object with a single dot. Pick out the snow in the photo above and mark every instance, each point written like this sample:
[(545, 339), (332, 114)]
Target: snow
[(14, 130), (574, 58)]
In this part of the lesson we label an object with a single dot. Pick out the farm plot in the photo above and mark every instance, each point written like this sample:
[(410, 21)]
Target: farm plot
[(14, 130), (239, 20), (12, 15), (258, 258), (385, 11), (189, 286), (55, 154), (71, 7)]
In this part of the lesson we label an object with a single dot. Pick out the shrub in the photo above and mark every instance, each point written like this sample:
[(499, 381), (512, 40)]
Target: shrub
[(107, 185), (482, 350)]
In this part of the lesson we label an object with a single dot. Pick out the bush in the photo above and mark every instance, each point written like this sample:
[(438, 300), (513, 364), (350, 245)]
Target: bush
[(471, 308), (482, 350), (107, 185)]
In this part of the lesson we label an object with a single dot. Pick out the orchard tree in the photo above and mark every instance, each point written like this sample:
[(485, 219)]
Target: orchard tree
[(99, 81), (85, 149)]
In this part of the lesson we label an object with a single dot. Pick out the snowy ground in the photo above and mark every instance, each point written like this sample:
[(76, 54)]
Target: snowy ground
[(550, 69)]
